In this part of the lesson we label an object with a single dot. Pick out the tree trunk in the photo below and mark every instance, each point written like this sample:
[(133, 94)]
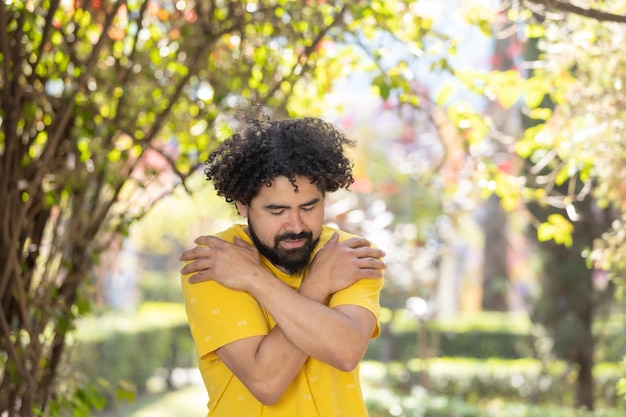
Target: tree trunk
[(495, 269), (585, 361)]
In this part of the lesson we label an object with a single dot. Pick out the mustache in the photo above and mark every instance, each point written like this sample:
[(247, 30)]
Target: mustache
[(294, 236)]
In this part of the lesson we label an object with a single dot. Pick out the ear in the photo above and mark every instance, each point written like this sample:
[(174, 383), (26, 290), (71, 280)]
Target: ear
[(242, 208)]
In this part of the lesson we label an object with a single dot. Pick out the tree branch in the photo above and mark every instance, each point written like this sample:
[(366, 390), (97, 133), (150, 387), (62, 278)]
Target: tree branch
[(125, 73), (5, 50), (45, 38), (62, 118), (567, 7), (300, 63), (194, 63), (172, 163)]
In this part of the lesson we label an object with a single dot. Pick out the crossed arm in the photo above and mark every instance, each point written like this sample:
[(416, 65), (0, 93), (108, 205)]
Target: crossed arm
[(305, 325)]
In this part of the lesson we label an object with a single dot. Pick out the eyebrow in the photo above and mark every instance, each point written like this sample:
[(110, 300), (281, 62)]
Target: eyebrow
[(282, 207)]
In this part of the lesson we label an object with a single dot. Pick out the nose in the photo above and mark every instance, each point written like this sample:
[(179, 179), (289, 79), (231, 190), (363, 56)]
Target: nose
[(294, 223)]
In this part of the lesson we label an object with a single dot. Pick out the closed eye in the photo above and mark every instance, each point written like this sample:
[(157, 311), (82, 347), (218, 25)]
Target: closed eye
[(278, 210)]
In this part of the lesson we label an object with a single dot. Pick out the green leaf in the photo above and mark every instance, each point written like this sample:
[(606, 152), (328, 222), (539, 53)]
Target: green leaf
[(444, 94), (126, 391), (534, 31), (384, 89), (562, 176)]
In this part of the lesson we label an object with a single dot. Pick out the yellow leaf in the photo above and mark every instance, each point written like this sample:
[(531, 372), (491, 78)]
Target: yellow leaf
[(545, 232), (540, 113), (507, 86), (534, 31)]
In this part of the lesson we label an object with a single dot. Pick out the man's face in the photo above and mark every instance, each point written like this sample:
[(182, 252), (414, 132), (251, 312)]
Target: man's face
[(285, 225)]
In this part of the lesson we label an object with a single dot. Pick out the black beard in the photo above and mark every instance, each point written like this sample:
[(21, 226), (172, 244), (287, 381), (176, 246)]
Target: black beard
[(294, 261)]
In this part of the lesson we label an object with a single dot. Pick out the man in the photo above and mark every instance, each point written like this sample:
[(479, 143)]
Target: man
[(282, 309)]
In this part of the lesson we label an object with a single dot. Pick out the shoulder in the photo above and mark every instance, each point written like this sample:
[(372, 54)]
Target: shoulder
[(328, 231), (235, 230)]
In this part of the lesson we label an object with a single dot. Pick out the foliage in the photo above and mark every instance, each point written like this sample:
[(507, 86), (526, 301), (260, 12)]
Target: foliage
[(573, 95), (485, 384), (621, 385), (150, 315), (478, 381), (484, 336), (484, 321), (568, 86), (159, 286), (107, 105), (384, 401), (125, 351), (582, 140)]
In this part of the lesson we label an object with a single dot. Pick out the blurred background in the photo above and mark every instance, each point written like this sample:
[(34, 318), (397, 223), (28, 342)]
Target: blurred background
[(489, 166)]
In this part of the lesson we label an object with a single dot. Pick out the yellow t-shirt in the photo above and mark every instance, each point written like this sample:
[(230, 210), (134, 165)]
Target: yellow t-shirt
[(218, 316)]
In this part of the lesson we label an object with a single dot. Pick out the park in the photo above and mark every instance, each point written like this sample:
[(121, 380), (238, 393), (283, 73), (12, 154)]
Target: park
[(489, 166)]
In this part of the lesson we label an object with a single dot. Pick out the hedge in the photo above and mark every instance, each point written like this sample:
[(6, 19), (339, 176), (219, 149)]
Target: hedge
[(387, 403), (476, 380), (483, 336), (488, 363), (133, 348)]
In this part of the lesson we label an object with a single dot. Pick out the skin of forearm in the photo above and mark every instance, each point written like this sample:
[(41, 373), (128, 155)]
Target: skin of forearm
[(276, 363), (276, 356), (319, 331)]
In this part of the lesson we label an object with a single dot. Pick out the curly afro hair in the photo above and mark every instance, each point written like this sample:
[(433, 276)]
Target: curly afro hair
[(308, 147)]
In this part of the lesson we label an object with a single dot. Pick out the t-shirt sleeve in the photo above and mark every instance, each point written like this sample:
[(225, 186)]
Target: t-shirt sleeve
[(218, 315), (364, 293)]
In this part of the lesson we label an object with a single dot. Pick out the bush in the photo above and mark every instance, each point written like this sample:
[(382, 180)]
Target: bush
[(484, 335), (471, 344), (130, 349), (474, 381), (160, 286), (384, 403)]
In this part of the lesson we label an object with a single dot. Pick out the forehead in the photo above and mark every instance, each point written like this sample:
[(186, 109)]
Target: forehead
[(281, 191)]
